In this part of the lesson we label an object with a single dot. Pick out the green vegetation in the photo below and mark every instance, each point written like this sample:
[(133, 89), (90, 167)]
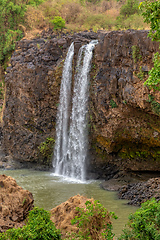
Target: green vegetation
[(46, 149), (34, 2), (38, 226), (19, 16), (136, 53), (141, 74), (113, 104), (11, 18), (154, 105), (129, 14), (12, 14), (151, 14), (144, 224), (130, 8), (154, 74), (93, 222), (58, 23), (2, 90)]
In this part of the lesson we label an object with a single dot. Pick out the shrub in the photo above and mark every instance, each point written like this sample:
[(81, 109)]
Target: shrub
[(58, 23), (93, 222), (144, 224), (39, 226), (130, 8)]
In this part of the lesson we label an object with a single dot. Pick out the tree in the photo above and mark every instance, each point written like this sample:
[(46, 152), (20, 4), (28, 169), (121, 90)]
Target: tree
[(12, 14)]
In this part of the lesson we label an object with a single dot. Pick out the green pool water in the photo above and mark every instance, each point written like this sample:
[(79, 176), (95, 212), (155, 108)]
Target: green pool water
[(49, 191)]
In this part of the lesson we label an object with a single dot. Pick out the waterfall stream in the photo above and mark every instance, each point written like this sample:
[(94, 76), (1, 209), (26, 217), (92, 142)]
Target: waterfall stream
[(71, 136)]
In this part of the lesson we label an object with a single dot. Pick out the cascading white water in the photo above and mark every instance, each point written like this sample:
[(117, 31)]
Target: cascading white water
[(63, 111), (70, 156)]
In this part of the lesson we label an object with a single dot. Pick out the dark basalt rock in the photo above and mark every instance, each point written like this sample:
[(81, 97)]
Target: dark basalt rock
[(124, 126), (141, 192)]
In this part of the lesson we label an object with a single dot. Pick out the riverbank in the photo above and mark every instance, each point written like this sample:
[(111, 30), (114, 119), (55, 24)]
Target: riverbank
[(135, 187)]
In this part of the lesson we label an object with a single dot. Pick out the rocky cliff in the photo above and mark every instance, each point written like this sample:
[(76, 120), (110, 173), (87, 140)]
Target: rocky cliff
[(123, 113)]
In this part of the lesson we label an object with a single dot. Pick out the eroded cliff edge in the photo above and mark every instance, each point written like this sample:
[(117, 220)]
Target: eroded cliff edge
[(124, 126)]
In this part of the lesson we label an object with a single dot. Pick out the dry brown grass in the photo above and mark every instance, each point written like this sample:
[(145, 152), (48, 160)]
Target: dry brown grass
[(35, 18), (102, 15), (71, 11)]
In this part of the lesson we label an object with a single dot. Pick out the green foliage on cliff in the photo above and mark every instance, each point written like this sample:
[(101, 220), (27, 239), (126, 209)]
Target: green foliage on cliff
[(151, 14), (144, 224), (38, 226), (113, 104), (155, 105), (46, 149), (154, 74)]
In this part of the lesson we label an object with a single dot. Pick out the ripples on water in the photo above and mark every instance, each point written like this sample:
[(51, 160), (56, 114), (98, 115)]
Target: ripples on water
[(50, 190)]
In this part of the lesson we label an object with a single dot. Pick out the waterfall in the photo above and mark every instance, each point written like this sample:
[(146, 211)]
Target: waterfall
[(71, 146), (63, 111)]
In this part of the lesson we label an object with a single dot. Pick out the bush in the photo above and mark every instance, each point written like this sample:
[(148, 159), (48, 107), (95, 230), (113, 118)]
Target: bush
[(93, 222), (39, 226), (58, 23), (130, 8), (144, 224), (132, 22)]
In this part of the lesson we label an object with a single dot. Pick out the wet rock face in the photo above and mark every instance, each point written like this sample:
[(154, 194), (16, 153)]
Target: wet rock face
[(141, 192), (125, 125), (15, 203), (123, 113)]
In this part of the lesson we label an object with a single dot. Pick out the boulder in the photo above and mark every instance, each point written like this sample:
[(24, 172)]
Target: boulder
[(65, 212), (138, 193), (15, 203)]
